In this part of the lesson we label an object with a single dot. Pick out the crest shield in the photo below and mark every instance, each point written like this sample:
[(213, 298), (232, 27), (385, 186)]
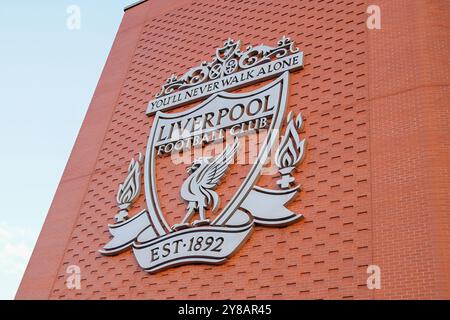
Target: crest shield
[(275, 93)]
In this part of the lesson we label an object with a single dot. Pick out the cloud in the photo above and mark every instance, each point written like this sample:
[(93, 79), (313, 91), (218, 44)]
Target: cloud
[(4, 233), (13, 258), (16, 245)]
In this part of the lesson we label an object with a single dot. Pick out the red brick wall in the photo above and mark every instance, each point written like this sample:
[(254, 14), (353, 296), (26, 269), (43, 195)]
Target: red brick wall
[(375, 177), (409, 100)]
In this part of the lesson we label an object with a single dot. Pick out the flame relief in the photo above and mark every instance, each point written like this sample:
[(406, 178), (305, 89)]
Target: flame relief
[(130, 189), (291, 151)]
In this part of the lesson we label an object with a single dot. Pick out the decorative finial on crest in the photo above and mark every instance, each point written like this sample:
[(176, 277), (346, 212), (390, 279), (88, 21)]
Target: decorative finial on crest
[(291, 151), (229, 42), (130, 189)]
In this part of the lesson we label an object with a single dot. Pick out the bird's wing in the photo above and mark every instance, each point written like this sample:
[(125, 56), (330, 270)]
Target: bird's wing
[(210, 177)]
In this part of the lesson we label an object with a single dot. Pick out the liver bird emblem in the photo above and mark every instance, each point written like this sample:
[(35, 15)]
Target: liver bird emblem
[(205, 174)]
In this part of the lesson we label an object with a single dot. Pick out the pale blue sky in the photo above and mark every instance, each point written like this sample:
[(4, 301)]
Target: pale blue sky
[(48, 74)]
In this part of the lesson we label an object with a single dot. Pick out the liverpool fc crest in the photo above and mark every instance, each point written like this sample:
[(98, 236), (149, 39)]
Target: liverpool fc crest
[(207, 149)]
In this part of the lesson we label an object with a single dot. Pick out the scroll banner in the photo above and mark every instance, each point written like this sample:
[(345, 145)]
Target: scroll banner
[(209, 244), (195, 245)]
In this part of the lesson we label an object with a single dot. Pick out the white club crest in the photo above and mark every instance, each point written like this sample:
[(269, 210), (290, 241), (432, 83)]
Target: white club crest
[(211, 230)]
